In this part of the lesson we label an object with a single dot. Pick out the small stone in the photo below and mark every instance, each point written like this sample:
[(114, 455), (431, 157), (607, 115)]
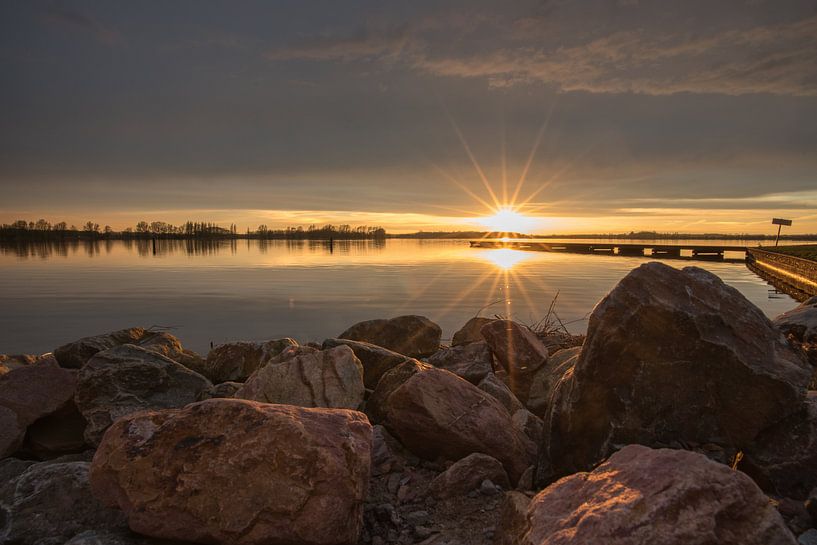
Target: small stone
[(422, 532), (418, 517), (808, 537), (487, 488)]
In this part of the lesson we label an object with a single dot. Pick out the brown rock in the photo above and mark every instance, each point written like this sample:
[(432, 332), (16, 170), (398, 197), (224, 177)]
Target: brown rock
[(376, 360), (672, 357), (546, 377), (518, 350), (437, 414), (513, 519), (236, 361), (471, 332), (661, 497), (126, 379), (27, 394), (376, 404), (15, 361), (221, 390), (239, 472), (783, 458), (414, 336), (472, 361), (492, 385), (75, 354), (331, 378), (467, 474), (59, 433), (170, 347)]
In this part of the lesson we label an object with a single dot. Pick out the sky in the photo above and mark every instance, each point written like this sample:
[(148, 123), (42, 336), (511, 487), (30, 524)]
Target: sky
[(590, 116)]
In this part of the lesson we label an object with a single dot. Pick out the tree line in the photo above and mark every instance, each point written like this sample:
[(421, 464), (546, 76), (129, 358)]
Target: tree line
[(42, 229)]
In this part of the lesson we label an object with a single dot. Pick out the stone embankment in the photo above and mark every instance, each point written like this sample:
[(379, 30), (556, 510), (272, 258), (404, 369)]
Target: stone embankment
[(684, 416)]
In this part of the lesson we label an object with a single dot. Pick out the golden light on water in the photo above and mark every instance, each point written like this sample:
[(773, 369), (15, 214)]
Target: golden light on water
[(505, 258)]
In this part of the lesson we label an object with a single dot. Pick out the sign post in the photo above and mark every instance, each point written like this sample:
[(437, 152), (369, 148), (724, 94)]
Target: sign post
[(780, 222)]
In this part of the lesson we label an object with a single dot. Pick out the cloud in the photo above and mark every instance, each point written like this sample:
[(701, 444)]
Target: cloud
[(76, 20), (776, 59)]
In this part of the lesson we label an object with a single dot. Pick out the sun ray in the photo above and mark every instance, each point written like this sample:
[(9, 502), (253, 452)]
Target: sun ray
[(531, 155), (474, 162)]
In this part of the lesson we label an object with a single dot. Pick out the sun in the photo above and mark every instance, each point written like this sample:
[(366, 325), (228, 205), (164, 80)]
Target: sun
[(508, 220)]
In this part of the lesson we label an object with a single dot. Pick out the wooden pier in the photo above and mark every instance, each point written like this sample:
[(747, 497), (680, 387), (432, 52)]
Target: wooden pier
[(640, 249)]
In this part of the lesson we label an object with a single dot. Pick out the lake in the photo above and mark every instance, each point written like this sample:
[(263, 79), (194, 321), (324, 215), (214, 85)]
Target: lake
[(252, 290)]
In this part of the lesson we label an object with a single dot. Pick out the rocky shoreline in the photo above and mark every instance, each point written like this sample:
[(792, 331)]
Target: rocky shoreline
[(684, 416)]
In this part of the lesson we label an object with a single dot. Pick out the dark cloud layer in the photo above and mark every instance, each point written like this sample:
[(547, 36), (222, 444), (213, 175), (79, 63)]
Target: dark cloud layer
[(327, 106)]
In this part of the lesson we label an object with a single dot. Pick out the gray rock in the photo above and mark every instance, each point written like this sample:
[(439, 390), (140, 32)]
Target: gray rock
[(75, 354), (530, 424), (126, 379), (499, 391), (809, 537), (414, 336), (473, 361), (468, 474), (222, 390), (50, 503), (307, 377), (546, 378), (518, 350), (376, 360)]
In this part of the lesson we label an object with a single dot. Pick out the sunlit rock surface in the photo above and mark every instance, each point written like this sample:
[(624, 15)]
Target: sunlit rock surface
[(518, 350), (376, 360), (240, 472), (308, 377), (660, 497), (236, 361)]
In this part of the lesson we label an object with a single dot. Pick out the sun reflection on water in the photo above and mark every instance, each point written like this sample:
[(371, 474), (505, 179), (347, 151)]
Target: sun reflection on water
[(505, 258)]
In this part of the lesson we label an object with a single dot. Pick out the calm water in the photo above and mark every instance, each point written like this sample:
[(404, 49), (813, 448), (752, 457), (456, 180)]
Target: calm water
[(255, 290)]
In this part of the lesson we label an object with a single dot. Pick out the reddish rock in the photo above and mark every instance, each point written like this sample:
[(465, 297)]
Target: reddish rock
[(546, 377), (660, 497), (413, 336), (75, 354), (783, 458), (529, 424), (471, 332), (307, 377), (672, 357), (236, 361), (376, 360), (239, 472), (472, 361), (126, 379), (27, 394), (518, 350), (15, 361), (434, 413), (467, 474), (377, 402)]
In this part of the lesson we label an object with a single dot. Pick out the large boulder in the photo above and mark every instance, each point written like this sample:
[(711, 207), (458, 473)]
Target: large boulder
[(75, 354), (783, 458), (800, 322), (672, 357), (59, 433), (471, 332), (236, 361), (660, 497), (518, 350), (239, 472), (513, 519), (126, 379), (49, 503), (472, 361), (546, 378), (467, 474), (376, 360), (308, 377), (170, 347), (413, 336), (27, 394), (436, 414)]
